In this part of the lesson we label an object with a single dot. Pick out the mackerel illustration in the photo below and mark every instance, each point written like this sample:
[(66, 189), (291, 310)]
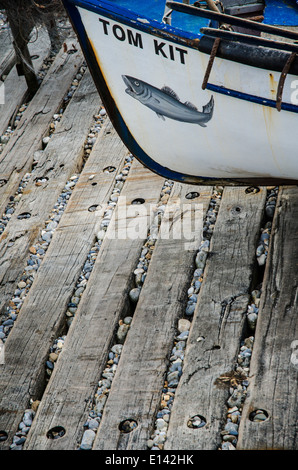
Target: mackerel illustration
[(166, 103)]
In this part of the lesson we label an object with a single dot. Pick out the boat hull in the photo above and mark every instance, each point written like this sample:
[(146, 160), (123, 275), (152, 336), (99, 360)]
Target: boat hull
[(150, 80)]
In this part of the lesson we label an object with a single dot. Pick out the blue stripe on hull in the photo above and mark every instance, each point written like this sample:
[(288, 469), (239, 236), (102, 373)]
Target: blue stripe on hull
[(251, 98)]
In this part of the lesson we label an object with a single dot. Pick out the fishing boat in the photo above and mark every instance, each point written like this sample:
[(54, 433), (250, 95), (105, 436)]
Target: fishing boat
[(202, 93)]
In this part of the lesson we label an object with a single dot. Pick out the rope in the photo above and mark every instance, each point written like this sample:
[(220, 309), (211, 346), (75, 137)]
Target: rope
[(23, 59)]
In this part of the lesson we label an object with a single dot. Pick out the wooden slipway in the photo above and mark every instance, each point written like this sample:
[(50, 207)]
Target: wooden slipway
[(219, 323)]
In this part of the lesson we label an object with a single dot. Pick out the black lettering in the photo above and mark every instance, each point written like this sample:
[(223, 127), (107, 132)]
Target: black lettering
[(159, 48), (105, 24), (136, 41), (182, 52), (171, 49), (119, 33)]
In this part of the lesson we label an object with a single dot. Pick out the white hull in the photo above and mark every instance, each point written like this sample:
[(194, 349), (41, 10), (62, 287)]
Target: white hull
[(243, 139)]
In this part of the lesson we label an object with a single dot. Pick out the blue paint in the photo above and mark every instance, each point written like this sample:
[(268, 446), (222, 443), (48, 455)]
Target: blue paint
[(185, 26), (155, 10), (281, 12)]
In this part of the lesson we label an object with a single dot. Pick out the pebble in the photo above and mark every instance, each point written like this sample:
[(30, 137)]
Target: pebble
[(4, 139), (117, 348), (262, 259), (134, 294), (161, 424), (259, 416), (248, 342), (255, 295), (51, 225), (101, 234), (28, 417), (232, 428), (190, 308), (46, 236), (50, 365), (260, 250), (150, 443), (93, 424), (22, 285), (235, 417), (270, 209), (196, 422), (201, 259), (100, 402), (190, 290), (46, 140), (15, 447), (122, 332), (87, 440), (183, 325), (227, 446), (183, 336), (252, 320), (237, 398), (264, 236), (20, 441)]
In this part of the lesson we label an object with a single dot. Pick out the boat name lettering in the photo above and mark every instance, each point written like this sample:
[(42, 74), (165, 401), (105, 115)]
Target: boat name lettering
[(162, 49), (122, 35), (159, 49)]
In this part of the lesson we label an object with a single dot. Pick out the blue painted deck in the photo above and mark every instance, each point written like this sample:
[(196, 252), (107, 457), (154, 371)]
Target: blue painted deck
[(277, 12), (154, 9), (281, 12)]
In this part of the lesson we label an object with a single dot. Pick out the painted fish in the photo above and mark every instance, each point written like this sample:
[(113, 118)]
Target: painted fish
[(166, 103)]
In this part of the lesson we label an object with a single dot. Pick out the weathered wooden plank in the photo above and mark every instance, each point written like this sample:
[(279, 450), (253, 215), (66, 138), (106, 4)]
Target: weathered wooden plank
[(274, 364), (15, 85), (17, 156), (139, 380), (43, 313), (67, 397), (218, 321), (61, 158)]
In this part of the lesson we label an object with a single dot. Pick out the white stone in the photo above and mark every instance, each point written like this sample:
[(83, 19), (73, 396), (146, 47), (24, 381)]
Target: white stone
[(87, 440), (183, 325)]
